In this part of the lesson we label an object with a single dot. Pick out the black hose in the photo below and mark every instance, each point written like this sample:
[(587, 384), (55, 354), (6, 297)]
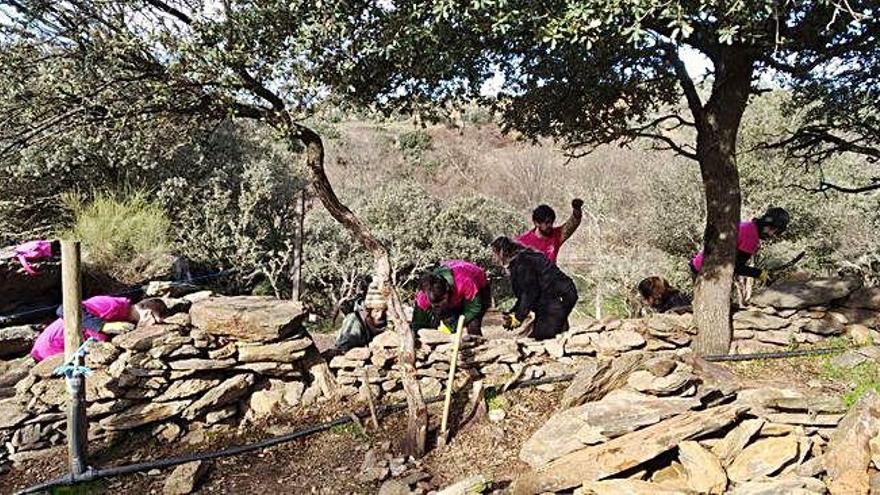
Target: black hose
[(772, 355), (94, 474)]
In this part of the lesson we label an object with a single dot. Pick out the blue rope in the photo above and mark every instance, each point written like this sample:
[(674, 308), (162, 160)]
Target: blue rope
[(69, 369)]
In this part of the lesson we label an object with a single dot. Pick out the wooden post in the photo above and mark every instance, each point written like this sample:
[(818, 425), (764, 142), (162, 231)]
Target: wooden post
[(71, 285), (368, 394)]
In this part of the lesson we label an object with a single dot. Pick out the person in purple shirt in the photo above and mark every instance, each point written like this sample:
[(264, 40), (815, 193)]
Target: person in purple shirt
[(547, 239), (769, 225)]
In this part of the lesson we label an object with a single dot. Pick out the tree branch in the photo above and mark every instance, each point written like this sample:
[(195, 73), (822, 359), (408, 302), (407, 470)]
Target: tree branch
[(687, 85), (827, 186), (173, 12), (670, 143)]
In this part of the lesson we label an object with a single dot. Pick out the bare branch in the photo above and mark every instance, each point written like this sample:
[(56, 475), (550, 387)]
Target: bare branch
[(164, 7), (680, 122), (683, 150), (827, 186), (687, 85)]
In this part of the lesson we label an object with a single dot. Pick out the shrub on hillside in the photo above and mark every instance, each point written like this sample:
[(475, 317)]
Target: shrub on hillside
[(418, 230), (414, 144), (244, 214), (122, 234)]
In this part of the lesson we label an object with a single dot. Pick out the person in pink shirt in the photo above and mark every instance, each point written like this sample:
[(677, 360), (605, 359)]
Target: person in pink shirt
[(456, 288), (547, 239), (97, 311), (748, 241)]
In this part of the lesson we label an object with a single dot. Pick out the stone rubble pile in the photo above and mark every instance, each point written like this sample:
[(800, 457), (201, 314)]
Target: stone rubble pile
[(640, 416), (678, 425)]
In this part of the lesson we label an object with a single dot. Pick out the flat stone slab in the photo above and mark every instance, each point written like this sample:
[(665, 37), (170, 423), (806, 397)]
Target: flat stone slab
[(797, 294), (619, 454), (250, 318), (595, 422), (864, 298), (143, 414), (288, 351), (17, 341)]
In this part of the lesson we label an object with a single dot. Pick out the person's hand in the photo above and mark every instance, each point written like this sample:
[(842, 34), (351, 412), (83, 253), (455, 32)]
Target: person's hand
[(764, 276), (577, 203)]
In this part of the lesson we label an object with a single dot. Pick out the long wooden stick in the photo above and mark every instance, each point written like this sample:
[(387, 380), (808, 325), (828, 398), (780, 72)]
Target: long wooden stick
[(71, 287), (453, 360)]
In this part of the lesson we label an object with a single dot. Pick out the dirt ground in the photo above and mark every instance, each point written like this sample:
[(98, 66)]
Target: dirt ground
[(324, 463), (329, 462)]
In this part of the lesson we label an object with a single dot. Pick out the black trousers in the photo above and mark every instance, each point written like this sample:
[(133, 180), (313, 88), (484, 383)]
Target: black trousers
[(551, 313)]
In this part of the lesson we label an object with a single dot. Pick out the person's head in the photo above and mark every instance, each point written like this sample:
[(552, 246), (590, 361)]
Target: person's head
[(543, 217), (772, 223), (149, 310), (437, 289), (375, 305), (504, 249), (654, 289)]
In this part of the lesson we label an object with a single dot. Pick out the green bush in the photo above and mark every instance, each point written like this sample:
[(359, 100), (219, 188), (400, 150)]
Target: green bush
[(244, 214), (418, 230), (414, 144), (121, 233)]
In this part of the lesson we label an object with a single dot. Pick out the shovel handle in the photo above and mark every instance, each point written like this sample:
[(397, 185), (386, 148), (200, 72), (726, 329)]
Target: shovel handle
[(453, 360)]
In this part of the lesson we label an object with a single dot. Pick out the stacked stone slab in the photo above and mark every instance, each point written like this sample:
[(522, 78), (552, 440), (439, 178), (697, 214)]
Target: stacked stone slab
[(200, 369), (796, 313), (784, 317), (674, 424), (502, 357)]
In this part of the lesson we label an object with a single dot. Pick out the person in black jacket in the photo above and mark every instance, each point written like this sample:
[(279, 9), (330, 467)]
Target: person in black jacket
[(539, 287)]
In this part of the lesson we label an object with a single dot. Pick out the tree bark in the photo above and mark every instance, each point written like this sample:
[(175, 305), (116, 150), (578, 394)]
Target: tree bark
[(414, 443), (716, 153), (296, 269)]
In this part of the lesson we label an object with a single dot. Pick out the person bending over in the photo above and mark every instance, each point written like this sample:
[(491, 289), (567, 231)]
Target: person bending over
[(659, 295), (456, 288), (99, 313), (748, 241), (539, 286)]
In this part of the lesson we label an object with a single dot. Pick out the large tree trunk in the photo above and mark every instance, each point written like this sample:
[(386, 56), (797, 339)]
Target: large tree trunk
[(716, 152), (417, 431)]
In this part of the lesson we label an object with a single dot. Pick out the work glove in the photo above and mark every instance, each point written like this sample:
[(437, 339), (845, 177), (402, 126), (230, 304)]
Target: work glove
[(510, 322), (117, 327), (444, 328), (577, 203), (764, 276)]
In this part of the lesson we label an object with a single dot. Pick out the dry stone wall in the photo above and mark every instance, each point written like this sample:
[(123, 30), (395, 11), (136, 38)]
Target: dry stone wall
[(224, 361), (787, 316)]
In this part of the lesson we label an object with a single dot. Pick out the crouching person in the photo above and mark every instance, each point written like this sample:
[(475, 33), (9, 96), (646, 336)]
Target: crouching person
[(539, 286), (659, 295), (99, 313), (456, 288), (368, 318)]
